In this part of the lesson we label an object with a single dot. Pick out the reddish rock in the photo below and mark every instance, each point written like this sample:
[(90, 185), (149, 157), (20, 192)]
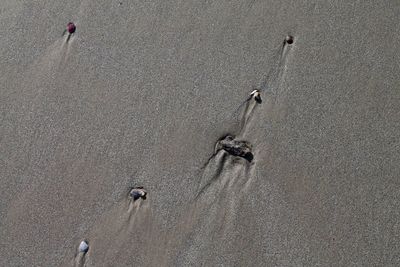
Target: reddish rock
[(71, 28)]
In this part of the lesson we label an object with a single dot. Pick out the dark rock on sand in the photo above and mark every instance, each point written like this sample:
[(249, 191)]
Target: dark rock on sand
[(236, 147)]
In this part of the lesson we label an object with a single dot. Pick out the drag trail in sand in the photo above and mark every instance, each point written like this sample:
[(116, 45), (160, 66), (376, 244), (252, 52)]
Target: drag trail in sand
[(127, 229), (223, 185), (49, 65), (212, 215), (276, 73), (269, 86), (44, 79), (80, 259)]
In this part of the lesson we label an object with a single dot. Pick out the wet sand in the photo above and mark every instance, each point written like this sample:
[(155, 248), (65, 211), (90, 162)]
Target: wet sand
[(141, 94)]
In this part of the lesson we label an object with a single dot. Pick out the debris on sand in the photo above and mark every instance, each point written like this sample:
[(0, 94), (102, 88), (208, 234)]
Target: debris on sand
[(235, 147), (289, 39), (83, 247), (71, 27), (256, 95), (138, 192)]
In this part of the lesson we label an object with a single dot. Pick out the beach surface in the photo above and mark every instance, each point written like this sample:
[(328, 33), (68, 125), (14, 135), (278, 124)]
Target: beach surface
[(157, 94)]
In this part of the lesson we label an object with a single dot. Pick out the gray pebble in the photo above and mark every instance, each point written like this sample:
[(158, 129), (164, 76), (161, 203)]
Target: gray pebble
[(83, 247)]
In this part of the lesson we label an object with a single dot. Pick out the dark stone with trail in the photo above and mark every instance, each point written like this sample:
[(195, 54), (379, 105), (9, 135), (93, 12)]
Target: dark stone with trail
[(137, 193), (236, 148)]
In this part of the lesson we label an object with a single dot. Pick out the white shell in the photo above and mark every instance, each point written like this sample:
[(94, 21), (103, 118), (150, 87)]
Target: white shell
[(254, 92), (83, 247), (140, 191)]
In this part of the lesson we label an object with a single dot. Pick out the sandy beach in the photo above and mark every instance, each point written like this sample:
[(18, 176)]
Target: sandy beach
[(158, 94)]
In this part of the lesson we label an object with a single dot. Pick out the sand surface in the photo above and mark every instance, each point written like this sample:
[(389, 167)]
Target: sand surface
[(141, 94)]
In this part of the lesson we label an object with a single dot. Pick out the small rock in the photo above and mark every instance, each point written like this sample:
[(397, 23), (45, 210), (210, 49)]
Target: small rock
[(236, 148), (138, 192), (83, 247), (71, 28), (256, 95), (289, 39)]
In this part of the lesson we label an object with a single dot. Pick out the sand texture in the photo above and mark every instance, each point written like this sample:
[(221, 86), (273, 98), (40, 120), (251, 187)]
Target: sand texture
[(157, 94)]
